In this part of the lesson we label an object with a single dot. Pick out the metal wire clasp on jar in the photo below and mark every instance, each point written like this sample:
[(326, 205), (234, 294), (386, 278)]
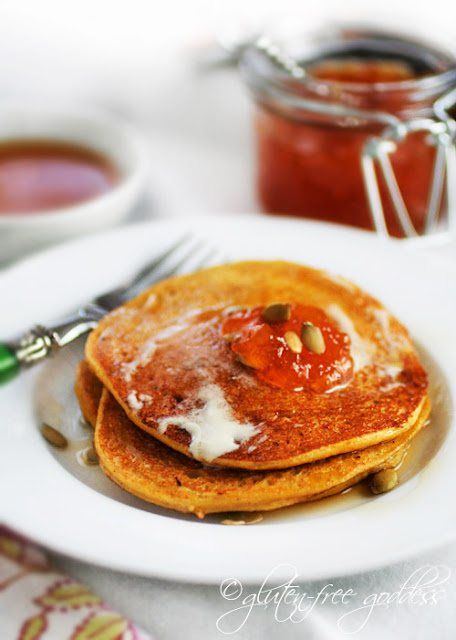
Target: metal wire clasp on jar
[(357, 130)]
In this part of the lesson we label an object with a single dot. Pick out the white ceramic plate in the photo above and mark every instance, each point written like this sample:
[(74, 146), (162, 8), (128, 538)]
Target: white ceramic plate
[(50, 497)]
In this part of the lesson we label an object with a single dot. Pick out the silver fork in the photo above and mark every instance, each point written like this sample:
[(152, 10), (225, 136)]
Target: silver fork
[(41, 342)]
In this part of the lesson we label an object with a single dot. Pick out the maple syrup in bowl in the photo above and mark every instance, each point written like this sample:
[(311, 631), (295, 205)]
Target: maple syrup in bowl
[(64, 172), (42, 175)]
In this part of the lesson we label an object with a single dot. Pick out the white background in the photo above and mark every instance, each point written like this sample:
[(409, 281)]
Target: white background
[(142, 59)]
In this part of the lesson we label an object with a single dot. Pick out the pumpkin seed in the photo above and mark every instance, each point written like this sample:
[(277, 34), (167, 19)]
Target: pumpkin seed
[(312, 338), (89, 456), (293, 341), (383, 481), (85, 423), (242, 361), (276, 313), (230, 311), (54, 437), (247, 518)]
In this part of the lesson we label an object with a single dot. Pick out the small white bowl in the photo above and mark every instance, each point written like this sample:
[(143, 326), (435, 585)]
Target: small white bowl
[(101, 132)]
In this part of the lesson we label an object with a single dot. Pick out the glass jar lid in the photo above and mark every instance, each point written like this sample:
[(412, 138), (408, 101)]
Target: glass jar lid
[(432, 72)]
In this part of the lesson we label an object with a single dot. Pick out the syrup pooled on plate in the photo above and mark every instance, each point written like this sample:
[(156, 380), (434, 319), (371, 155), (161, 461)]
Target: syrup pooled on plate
[(42, 175)]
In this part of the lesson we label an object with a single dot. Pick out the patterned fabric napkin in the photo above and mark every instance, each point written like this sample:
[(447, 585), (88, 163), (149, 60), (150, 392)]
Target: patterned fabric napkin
[(36, 603)]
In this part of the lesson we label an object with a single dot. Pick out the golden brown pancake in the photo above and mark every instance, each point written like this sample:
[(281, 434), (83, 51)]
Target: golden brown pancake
[(88, 390), (145, 467), (163, 358)]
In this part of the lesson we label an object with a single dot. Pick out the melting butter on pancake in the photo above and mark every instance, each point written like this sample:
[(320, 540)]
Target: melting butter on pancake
[(150, 470), (163, 358)]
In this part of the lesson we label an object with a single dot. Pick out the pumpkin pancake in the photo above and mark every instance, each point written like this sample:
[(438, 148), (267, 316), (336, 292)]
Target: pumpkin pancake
[(205, 377), (145, 467), (88, 390)]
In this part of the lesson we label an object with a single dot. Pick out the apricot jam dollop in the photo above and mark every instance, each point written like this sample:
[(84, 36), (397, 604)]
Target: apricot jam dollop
[(265, 347)]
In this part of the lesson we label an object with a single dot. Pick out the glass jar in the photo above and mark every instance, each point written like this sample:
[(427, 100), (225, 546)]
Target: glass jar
[(311, 133)]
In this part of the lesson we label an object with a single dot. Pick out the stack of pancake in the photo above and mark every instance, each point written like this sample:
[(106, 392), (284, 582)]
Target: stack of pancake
[(182, 423)]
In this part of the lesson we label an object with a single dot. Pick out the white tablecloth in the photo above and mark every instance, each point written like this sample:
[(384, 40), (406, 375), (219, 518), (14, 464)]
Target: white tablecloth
[(172, 611)]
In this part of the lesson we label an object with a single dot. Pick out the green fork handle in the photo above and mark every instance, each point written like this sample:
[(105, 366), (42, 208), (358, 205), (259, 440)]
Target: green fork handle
[(41, 342), (9, 363)]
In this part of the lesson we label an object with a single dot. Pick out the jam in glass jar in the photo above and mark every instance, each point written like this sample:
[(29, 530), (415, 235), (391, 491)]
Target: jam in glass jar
[(311, 132)]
